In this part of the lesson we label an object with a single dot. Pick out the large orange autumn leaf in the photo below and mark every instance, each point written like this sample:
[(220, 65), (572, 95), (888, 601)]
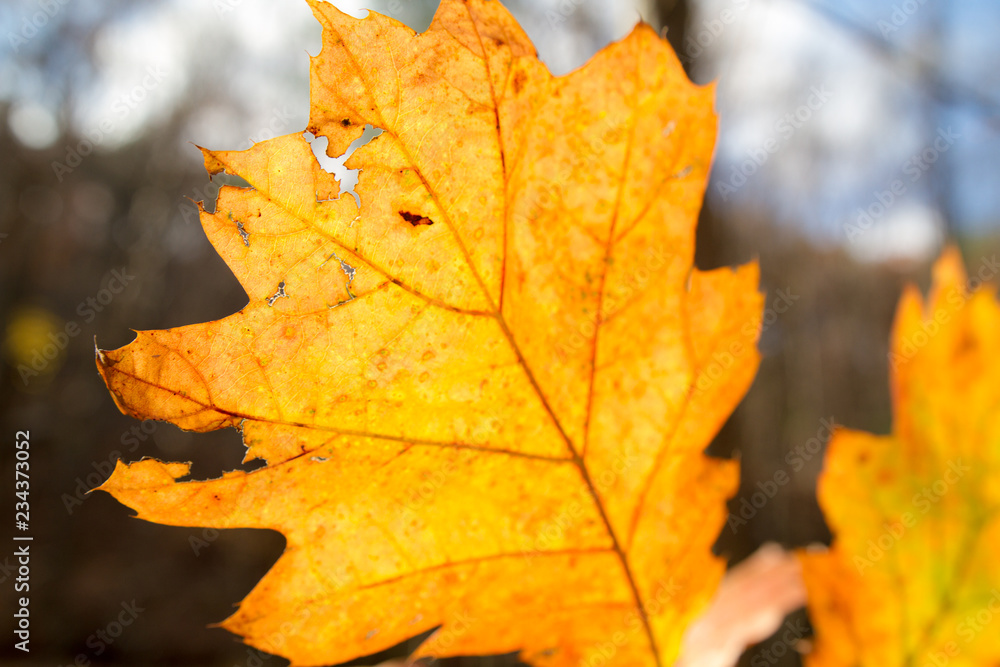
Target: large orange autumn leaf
[(483, 397), (913, 576)]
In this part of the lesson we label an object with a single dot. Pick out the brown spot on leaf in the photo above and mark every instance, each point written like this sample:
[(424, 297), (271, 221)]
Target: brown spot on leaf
[(518, 82), (966, 345), (415, 219)]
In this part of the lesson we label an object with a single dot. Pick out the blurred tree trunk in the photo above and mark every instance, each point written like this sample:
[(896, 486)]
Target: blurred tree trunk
[(673, 17)]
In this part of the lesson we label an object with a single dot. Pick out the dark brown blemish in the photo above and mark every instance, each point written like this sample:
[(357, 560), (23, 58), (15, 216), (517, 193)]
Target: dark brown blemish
[(346, 122), (415, 219), (518, 82), (966, 345)]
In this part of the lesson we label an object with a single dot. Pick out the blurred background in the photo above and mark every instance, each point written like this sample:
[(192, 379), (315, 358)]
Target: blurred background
[(856, 138)]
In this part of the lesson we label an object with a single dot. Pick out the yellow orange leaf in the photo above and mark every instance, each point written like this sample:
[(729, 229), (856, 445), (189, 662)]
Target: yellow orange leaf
[(482, 396), (913, 577)]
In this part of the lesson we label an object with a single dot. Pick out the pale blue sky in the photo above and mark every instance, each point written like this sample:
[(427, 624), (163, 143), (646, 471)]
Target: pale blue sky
[(770, 57)]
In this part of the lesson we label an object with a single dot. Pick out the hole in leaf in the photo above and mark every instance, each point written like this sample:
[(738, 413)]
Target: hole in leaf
[(164, 440), (348, 178), (225, 178), (348, 270), (244, 233), (279, 294), (208, 194)]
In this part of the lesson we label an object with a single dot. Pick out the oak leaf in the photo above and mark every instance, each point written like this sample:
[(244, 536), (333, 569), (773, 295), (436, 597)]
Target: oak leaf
[(912, 577), (483, 396)]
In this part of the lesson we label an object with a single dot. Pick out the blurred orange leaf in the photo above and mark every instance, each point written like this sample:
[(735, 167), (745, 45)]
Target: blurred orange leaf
[(912, 577), (483, 397)]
